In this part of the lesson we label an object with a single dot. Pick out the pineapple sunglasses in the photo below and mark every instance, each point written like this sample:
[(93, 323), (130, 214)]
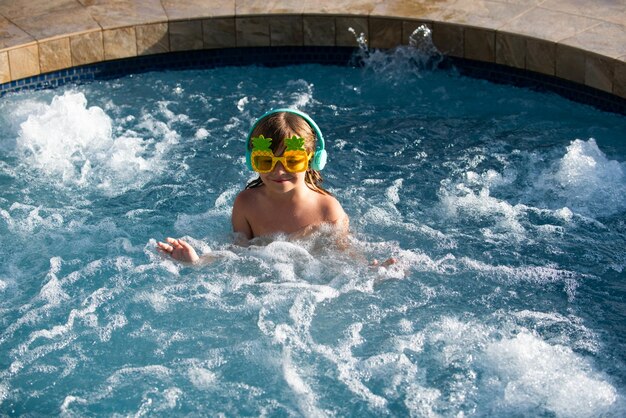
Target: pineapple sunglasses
[(295, 158)]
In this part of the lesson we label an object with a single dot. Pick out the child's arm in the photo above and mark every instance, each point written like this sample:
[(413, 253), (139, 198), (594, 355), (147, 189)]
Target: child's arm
[(241, 226)]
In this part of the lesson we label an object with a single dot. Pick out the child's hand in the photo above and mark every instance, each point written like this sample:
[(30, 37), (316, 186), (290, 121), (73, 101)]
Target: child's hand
[(178, 250), (386, 263)]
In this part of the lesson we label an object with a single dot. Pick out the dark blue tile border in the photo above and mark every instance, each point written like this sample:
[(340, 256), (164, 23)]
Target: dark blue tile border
[(538, 82), (212, 58), (280, 56)]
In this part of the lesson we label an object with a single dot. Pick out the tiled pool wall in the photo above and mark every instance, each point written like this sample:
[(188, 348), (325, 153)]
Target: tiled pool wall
[(280, 39)]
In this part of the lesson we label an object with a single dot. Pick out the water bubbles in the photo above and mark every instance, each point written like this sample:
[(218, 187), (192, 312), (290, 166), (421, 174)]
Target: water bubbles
[(534, 374), (74, 146), (588, 181), (201, 133)]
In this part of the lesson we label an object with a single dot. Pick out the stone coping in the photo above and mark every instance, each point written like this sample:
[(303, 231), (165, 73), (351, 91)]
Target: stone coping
[(575, 40)]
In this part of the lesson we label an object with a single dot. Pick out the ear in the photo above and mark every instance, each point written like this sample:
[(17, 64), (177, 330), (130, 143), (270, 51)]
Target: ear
[(319, 160)]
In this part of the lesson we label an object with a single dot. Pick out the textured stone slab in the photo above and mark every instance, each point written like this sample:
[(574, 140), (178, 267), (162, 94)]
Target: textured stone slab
[(619, 82), (119, 43), (87, 48), (219, 33), (24, 62), (319, 30), (340, 7), (152, 38), (511, 50), (11, 35), (610, 10), (5, 70), (253, 31), (55, 55), (186, 35), (286, 31), (16, 9), (269, 7), (197, 9), (548, 25), (603, 38), (58, 23), (116, 13)]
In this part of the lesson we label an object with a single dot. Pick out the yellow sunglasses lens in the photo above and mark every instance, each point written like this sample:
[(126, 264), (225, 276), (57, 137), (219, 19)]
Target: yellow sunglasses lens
[(296, 162), (263, 163)]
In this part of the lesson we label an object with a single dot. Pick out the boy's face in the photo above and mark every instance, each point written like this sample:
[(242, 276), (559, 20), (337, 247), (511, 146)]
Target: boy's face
[(281, 180)]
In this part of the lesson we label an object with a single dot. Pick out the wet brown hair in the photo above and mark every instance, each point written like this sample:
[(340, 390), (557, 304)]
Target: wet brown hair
[(279, 126)]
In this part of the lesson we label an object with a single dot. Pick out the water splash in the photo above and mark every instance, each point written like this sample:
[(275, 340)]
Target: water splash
[(586, 181), (590, 180), (80, 147), (420, 55), (533, 373)]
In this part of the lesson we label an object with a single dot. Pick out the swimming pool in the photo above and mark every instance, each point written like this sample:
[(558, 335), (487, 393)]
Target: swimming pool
[(505, 208)]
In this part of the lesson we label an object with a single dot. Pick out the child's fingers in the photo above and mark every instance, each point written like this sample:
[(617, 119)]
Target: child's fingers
[(162, 245), (175, 243), (166, 248), (184, 244), (390, 261)]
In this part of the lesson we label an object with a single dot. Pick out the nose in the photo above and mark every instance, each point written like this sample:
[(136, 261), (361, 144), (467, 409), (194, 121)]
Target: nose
[(279, 167)]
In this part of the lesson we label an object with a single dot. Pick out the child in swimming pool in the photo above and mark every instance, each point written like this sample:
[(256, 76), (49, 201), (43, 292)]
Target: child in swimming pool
[(286, 148)]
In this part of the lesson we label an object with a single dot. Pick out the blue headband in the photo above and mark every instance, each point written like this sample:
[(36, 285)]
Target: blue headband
[(319, 159)]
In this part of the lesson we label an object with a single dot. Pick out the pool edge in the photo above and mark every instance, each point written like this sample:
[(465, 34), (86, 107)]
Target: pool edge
[(574, 49)]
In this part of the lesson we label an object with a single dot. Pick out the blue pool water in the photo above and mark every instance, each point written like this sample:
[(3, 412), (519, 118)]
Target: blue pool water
[(505, 208)]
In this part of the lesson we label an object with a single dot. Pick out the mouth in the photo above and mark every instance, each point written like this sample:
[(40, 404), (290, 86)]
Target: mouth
[(281, 180)]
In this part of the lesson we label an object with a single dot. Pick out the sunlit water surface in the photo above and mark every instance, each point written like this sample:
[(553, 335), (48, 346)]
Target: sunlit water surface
[(504, 207)]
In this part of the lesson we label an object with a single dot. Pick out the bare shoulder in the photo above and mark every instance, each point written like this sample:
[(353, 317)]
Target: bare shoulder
[(246, 198), (333, 211), (240, 217)]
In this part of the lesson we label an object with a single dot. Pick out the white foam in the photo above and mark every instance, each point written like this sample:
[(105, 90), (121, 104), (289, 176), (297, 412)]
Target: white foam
[(303, 94), (52, 291), (587, 180), (533, 373), (68, 142), (514, 375), (304, 395), (532, 274), (54, 139), (575, 334), (25, 219), (202, 378), (201, 133), (117, 321), (393, 192), (68, 401), (465, 202), (241, 104), (121, 375), (158, 301), (4, 391)]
